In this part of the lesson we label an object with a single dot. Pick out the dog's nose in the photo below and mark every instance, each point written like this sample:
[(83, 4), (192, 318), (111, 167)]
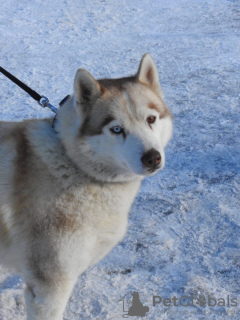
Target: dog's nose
[(151, 159)]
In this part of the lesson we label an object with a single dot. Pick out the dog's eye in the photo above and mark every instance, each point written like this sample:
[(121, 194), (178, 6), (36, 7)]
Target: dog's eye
[(117, 130), (151, 119)]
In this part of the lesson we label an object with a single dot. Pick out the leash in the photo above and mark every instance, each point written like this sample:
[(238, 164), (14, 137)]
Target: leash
[(42, 100)]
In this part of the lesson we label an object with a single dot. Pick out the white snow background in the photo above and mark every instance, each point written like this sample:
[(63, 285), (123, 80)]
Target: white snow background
[(184, 226)]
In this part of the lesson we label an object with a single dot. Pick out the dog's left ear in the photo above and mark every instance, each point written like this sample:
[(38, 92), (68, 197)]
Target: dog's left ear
[(148, 74), (86, 88)]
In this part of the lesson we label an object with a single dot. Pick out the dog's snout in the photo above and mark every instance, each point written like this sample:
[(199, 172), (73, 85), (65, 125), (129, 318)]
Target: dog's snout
[(151, 159)]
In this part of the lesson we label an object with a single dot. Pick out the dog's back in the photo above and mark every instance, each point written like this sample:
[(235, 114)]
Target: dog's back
[(9, 136), (20, 188)]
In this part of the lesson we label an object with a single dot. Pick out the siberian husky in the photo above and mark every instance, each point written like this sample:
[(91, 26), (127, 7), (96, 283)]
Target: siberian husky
[(65, 193)]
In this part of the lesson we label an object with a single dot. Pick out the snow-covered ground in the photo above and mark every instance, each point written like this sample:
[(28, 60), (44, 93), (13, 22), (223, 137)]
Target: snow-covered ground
[(184, 228)]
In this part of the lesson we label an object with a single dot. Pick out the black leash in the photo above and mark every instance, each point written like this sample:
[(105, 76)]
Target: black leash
[(42, 100)]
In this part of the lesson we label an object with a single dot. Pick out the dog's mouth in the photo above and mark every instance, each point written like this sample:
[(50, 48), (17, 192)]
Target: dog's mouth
[(151, 171), (154, 169)]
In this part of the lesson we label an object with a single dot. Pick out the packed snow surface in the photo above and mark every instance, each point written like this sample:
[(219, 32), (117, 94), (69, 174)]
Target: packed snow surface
[(184, 226)]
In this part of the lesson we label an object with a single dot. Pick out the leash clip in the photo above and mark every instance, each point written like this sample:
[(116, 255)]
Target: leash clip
[(44, 102)]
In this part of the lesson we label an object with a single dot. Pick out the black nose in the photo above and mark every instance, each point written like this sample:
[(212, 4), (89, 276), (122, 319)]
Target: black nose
[(151, 159)]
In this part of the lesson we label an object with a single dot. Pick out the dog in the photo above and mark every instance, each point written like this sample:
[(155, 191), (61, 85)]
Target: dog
[(65, 193)]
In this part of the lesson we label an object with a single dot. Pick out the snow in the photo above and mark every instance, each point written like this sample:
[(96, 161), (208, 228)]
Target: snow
[(184, 226)]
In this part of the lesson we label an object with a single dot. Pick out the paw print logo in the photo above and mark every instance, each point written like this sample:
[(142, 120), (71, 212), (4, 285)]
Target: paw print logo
[(201, 301)]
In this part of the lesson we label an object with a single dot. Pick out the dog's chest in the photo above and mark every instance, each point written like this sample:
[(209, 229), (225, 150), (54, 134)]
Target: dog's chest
[(96, 217)]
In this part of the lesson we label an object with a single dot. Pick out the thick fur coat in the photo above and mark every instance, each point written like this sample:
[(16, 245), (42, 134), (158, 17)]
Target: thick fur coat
[(65, 194)]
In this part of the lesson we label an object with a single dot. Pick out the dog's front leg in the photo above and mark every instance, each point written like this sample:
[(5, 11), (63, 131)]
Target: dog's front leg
[(47, 300)]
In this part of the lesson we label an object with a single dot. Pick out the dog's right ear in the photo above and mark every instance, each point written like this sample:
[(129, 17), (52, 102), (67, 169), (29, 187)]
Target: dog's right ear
[(86, 88), (148, 74)]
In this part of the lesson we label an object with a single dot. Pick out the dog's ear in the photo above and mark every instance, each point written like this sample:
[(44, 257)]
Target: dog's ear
[(148, 74), (86, 88)]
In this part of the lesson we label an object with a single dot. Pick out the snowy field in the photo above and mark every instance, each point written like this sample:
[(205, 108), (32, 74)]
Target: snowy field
[(184, 227)]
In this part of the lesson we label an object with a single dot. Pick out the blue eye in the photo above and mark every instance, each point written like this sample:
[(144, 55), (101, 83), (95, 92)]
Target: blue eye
[(117, 130)]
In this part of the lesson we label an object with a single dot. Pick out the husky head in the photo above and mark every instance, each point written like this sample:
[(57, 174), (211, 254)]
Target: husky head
[(117, 129)]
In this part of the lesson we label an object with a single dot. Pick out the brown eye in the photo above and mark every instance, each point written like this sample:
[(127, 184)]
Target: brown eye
[(151, 119)]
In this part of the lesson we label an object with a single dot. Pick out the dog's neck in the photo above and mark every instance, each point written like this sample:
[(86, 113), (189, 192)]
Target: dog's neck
[(47, 145)]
